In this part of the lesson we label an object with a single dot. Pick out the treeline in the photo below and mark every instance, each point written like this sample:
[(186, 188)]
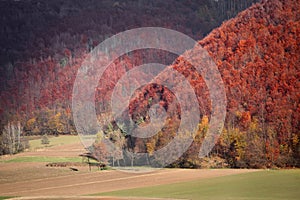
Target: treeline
[(46, 122), (50, 122), (252, 145)]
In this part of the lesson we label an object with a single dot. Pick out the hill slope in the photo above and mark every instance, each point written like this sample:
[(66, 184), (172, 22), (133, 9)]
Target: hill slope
[(258, 56)]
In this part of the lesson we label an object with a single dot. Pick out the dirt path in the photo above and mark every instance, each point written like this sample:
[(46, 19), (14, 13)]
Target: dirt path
[(86, 198), (35, 180), (104, 181)]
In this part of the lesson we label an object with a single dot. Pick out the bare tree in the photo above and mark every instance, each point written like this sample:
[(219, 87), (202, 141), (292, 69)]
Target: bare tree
[(11, 138)]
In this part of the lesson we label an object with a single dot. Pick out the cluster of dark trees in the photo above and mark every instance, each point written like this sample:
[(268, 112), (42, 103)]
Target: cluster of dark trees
[(35, 28)]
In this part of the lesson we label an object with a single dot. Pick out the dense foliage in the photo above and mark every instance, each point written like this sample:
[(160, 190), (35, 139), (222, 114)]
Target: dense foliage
[(257, 54), (43, 43)]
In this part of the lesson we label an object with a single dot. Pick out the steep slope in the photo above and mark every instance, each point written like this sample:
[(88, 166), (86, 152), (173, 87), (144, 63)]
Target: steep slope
[(258, 56), (43, 43)]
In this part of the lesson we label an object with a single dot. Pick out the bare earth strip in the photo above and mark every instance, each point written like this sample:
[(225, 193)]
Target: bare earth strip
[(36, 181), (86, 198), (105, 181)]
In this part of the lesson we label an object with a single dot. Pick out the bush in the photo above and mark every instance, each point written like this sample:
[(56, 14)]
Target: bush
[(45, 140)]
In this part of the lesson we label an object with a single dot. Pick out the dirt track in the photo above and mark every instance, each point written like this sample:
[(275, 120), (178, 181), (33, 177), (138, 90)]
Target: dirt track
[(104, 181), (35, 179)]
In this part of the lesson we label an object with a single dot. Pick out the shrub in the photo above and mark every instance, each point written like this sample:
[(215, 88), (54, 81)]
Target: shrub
[(45, 140)]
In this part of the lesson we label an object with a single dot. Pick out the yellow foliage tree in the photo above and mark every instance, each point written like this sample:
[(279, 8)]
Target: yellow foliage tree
[(55, 123)]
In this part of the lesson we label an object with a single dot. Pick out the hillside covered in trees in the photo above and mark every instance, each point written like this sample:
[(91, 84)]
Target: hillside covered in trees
[(43, 43), (257, 54)]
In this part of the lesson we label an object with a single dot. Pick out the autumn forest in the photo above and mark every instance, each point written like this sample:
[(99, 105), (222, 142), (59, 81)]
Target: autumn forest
[(254, 44)]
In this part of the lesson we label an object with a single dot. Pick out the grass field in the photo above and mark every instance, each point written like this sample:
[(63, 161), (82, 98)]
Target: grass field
[(42, 159), (55, 151), (267, 185), (54, 141)]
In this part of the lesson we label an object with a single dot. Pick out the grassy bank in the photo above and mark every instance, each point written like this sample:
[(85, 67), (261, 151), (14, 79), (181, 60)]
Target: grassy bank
[(267, 185), (42, 159), (54, 141)]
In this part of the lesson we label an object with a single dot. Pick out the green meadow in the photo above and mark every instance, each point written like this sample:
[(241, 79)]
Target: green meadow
[(54, 141), (267, 185), (42, 159)]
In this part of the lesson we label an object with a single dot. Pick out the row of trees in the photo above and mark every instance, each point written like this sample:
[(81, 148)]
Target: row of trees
[(237, 147), (251, 145), (50, 122)]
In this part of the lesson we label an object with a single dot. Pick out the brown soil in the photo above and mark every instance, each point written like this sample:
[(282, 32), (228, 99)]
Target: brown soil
[(72, 183), (35, 180)]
